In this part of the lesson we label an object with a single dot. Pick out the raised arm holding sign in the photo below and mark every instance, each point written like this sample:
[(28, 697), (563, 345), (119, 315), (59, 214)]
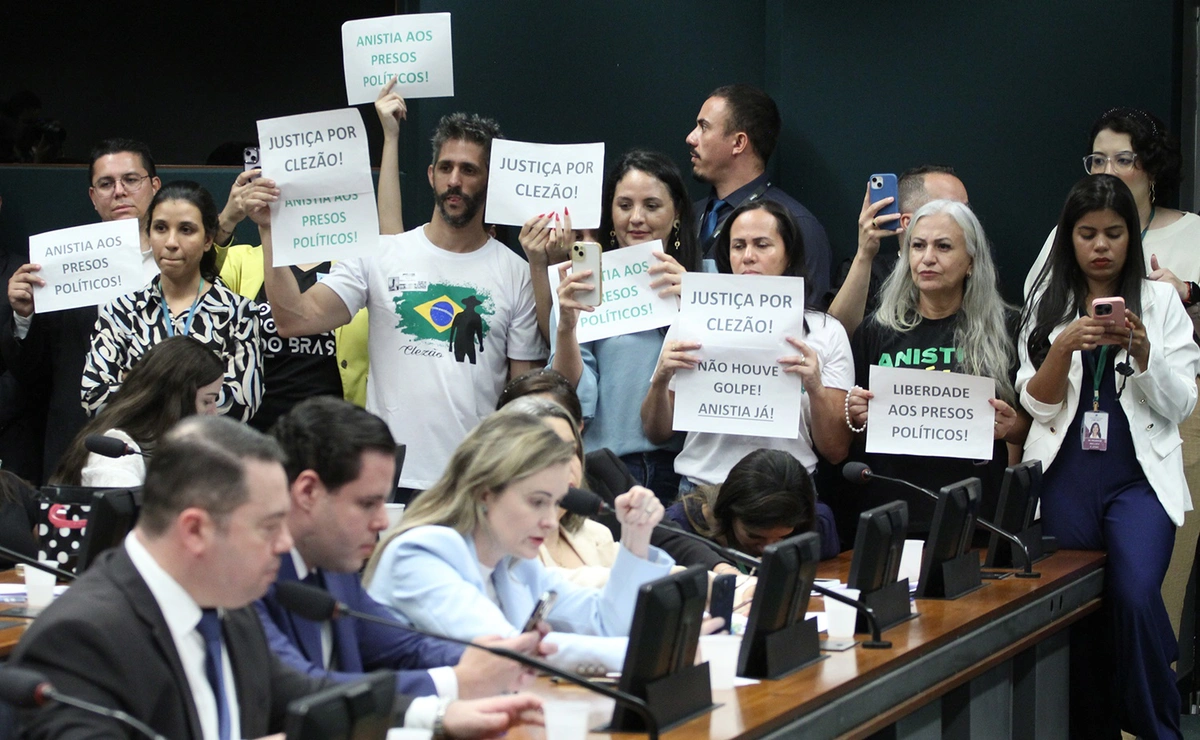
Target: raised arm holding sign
[(413, 49)]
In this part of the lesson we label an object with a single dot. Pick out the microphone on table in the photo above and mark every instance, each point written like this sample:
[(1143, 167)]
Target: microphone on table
[(28, 689), (586, 503), (102, 444), (861, 474), (318, 605)]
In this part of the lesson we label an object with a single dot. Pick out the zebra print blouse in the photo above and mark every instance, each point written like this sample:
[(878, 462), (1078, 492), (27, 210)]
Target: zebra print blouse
[(129, 326)]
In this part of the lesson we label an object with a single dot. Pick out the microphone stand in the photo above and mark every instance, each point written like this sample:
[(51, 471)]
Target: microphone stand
[(875, 643), (1027, 573), (33, 563), (633, 702)]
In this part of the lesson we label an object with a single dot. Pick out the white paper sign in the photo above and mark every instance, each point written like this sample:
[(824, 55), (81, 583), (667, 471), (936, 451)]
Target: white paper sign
[(919, 412), (629, 305), (415, 49), (527, 179), (739, 387), (322, 166), (87, 265)]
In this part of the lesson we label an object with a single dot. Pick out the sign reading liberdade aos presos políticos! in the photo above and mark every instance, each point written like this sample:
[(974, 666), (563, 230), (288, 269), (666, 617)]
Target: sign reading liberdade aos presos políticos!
[(920, 412), (738, 386), (415, 49), (628, 304), (322, 166), (526, 179), (87, 265)]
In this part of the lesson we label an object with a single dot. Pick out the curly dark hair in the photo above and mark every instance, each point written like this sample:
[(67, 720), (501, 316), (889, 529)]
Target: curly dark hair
[(1155, 147)]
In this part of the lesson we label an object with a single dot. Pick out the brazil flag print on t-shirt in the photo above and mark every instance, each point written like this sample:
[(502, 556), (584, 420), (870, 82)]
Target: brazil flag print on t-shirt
[(453, 316)]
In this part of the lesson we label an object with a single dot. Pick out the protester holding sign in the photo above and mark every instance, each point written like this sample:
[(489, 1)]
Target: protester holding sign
[(762, 239), (1133, 375), (939, 310), (644, 199), (186, 299)]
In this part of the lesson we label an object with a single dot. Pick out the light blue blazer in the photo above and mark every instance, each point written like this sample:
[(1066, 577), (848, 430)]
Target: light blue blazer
[(430, 576)]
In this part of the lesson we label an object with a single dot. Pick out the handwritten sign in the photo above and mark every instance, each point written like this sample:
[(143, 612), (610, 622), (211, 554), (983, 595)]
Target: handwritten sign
[(741, 323), (918, 412), (321, 164), (527, 179), (87, 265), (629, 304), (415, 49)]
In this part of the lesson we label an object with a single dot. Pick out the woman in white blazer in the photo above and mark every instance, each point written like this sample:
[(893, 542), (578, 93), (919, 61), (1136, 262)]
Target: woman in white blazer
[(1133, 376), (464, 560)]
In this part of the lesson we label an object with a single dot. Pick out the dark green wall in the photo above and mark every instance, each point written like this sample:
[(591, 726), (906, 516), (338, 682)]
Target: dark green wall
[(1005, 92)]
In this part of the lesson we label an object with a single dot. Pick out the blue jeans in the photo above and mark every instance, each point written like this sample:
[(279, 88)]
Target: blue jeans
[(655, 470)]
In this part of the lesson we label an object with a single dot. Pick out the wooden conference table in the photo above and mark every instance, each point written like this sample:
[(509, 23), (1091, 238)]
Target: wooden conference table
[(992, 663)]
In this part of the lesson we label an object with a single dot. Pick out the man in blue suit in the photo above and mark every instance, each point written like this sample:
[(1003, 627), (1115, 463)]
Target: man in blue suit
[(341, 468)]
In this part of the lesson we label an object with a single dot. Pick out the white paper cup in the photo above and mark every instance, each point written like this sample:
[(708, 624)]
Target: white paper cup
[(721, 652), (566, 720), (39, 587), (910, 561), (395, 512), (841, 616)]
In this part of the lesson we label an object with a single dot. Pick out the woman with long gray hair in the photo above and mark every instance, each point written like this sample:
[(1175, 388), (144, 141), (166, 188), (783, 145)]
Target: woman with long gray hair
[(940, 309)]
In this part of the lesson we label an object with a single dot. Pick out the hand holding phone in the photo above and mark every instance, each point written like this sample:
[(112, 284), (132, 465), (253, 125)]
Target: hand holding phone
[(586, 256), (1110, 310), (540, 610)]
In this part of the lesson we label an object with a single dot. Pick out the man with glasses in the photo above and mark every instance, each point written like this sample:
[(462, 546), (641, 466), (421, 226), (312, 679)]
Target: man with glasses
[(46, 352)]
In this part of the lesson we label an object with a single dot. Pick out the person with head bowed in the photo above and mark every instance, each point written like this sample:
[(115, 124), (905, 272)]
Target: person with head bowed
[(341, 467), (177, 377), (186, 299), (463, 561), (761, 239), (767, 497), (161, 627), (644, 199), (1135, 370), (939, 310)]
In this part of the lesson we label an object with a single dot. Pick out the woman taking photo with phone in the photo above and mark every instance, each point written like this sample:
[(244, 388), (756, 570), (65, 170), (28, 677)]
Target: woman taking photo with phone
[(644, 199), (1132, 373)]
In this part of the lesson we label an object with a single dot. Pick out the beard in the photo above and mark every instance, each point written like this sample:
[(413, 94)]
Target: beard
[(470, 207)]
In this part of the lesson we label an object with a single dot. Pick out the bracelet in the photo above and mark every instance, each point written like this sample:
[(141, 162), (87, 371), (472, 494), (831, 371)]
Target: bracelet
[(861, 429), (1193, 295)]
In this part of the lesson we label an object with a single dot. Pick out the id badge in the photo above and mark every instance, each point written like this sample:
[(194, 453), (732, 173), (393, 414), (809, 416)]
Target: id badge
[(1094, 432)]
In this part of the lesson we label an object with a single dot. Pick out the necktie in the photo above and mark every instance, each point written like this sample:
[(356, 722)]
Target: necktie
[(210, 629), (310, 632), (711, 218)]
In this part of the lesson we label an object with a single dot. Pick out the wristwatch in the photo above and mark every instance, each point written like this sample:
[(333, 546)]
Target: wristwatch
[(439, 722)]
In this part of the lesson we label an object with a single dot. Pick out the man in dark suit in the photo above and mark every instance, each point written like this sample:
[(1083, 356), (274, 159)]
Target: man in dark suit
[(160, 627), (341, 469)]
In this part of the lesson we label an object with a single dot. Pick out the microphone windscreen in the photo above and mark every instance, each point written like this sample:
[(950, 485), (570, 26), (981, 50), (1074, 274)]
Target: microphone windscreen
[(584, 503), (310, 602), (856, 472), (21, 686), (105, 445)]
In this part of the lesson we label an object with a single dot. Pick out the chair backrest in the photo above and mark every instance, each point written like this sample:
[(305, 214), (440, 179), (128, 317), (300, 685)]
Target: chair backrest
[(113, 514)]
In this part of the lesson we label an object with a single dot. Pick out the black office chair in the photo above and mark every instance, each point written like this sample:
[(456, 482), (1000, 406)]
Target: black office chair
[(113, 514)]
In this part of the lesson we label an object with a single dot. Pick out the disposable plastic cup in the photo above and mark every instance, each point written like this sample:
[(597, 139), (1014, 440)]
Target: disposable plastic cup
[(39, 587), (566, 720), (721, 652), (841, 616), (910, 561), (395, 512)]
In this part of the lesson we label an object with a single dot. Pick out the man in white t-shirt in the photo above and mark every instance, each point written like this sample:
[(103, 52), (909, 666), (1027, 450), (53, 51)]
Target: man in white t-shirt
[(451, 310)]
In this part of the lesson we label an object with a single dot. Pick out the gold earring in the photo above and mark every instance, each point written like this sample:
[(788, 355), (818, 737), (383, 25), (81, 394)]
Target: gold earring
[(1151, 192)]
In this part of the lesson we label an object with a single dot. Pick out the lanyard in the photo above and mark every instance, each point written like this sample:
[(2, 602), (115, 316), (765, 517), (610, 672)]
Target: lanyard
[(752, 197), (1148, 222), (187, 324), (1097, 375)]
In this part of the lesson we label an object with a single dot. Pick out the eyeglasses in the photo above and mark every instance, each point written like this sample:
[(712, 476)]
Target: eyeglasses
[(131, 182), (1122, 163)]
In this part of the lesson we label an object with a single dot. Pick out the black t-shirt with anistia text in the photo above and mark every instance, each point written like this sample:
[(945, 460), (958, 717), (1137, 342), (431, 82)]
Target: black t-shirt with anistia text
[(928, 346)]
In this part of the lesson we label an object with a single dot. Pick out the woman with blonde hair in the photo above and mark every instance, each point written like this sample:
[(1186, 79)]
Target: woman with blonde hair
[(464, 560)]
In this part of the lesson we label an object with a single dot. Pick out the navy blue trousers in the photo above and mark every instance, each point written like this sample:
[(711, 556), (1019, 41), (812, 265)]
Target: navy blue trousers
[(1126, 656)]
